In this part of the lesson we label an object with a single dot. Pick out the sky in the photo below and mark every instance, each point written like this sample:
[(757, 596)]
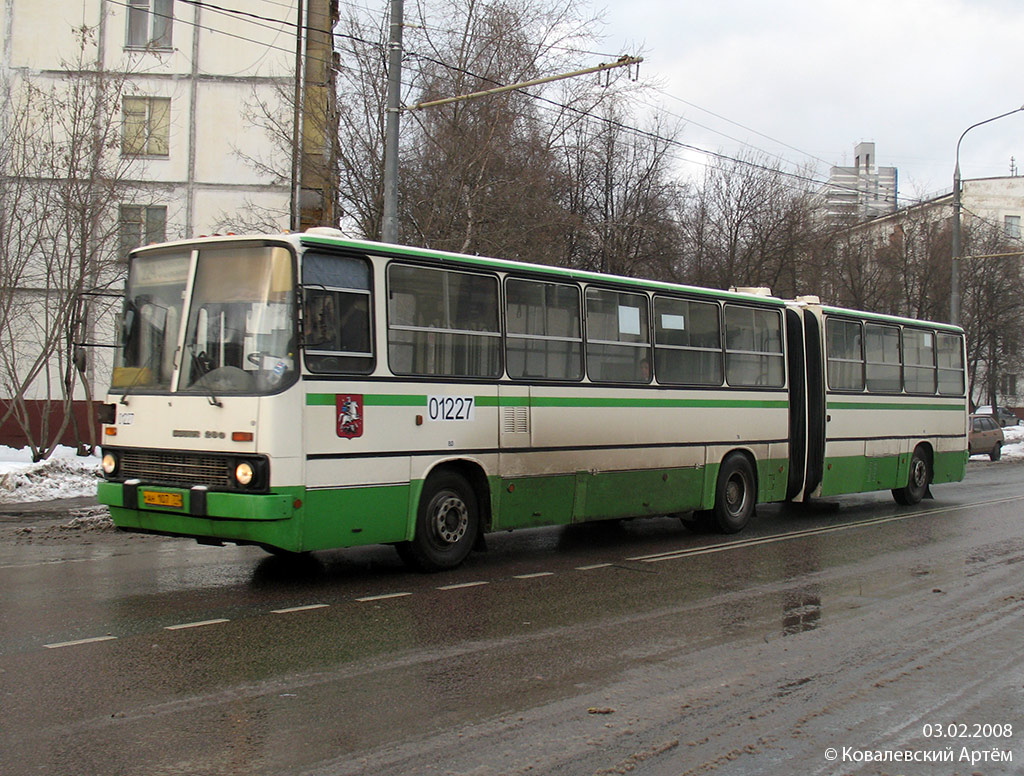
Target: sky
[(819, 76)]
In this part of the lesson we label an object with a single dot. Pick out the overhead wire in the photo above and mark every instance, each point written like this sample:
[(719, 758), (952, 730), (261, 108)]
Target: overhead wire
[(259, 19), (647, 133)]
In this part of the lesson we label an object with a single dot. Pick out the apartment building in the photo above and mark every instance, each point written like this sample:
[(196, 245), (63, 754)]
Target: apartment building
[(208, 132)]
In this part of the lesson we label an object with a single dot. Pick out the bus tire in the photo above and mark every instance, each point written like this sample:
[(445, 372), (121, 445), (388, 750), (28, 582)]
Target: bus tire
[(698, 521), (735, 494), (447, 524), (919, 478)]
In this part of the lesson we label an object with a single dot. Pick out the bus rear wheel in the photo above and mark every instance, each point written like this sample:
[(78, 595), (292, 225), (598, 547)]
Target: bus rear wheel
[(735, 494), (447, 524), (917, 482)]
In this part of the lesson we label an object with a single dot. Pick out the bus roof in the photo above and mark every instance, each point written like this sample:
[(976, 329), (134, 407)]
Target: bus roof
[(329, 237), (398, 251)]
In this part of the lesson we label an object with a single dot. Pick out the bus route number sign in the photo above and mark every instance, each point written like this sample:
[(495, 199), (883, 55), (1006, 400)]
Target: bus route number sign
[(450, 407)]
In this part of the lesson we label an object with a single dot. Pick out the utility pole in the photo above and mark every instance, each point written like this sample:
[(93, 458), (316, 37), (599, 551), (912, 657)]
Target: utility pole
[(295, 216), (389, 227), (954, 295)]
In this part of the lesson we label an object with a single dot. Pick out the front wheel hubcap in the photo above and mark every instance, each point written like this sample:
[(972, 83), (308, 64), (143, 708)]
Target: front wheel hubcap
[(450, 519), (920, 473), (735, 494)]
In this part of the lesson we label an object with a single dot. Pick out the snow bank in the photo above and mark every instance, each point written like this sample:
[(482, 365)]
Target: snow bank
[(64, 475), (1013, 443)]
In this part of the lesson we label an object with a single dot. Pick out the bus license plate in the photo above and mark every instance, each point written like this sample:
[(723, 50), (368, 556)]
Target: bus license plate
[(157, 499)]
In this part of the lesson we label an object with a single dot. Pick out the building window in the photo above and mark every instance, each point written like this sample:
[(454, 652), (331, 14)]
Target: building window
[(147, 126), (149, 24), (1011, 226), (1008, 385), (141, 225)]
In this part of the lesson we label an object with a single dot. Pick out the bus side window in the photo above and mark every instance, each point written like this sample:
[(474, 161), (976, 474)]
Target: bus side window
[(618, 337), (443, 322), (687, 342), (951, 364), (843, 344), (337, 310), (882, 354), (544, 330), (753, 347), (918, 361)]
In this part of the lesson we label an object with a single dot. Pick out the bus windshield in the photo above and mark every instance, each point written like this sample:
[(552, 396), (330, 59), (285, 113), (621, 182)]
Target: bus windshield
[(239, 334)]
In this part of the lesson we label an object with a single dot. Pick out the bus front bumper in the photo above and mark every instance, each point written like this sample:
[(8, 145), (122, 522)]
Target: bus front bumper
[(194, 502)]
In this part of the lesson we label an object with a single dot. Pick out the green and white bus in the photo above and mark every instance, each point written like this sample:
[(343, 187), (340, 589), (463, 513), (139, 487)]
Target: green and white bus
[(305, 391)]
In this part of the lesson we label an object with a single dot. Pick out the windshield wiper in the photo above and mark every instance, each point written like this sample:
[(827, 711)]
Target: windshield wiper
[(202, 368)]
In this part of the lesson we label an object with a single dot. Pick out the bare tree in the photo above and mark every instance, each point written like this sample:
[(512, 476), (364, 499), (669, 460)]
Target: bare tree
[(623, 195), (748, 224), (483, 175), (992, 308), (64, 177)]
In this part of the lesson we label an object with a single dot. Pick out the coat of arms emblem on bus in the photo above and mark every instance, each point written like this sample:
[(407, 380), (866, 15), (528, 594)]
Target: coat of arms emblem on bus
[(350, 415)]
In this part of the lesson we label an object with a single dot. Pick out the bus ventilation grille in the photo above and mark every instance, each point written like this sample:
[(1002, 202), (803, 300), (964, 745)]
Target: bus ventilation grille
[(179, 469), (515, 420)]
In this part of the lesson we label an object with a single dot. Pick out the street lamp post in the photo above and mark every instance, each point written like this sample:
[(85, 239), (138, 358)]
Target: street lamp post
[(954, 295)]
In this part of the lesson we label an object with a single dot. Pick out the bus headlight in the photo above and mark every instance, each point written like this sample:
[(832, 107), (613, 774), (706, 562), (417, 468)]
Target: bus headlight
[(251, 474), (244, 473), (109, 463)]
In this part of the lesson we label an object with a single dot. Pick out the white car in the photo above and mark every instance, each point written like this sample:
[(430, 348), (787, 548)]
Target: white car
[(1003, 415)]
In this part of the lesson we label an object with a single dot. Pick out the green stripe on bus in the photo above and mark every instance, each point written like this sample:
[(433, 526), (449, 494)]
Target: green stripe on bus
[(369, 400), (856, 405), (404, 400), (568, 401)]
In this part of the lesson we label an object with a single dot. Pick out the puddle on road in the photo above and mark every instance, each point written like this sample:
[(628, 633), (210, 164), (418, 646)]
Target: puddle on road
[(801, 612)]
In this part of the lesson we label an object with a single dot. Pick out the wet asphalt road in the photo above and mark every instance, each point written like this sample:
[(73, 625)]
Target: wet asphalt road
[(597, 649)]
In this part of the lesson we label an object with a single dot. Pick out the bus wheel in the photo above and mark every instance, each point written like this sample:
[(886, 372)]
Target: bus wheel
[(447, 524), (917, 482), (735, 494)]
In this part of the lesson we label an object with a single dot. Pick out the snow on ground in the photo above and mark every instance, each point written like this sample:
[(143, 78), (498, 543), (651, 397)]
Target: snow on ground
[(64, 475), (1013, 442)]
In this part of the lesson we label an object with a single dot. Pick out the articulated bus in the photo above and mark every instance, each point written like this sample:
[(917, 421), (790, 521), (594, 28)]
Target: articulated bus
[(304, 392)]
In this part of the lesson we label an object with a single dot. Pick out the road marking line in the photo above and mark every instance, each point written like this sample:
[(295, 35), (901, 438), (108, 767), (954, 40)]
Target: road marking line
[(742, 543), (80, 641), (306, 608), (595, 566), (54, 562), (199, 624), (534, 575), (383, 597), (461, 585)]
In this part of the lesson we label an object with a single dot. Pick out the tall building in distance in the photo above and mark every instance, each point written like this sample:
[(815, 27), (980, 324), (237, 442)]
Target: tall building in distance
[(863, 191)]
